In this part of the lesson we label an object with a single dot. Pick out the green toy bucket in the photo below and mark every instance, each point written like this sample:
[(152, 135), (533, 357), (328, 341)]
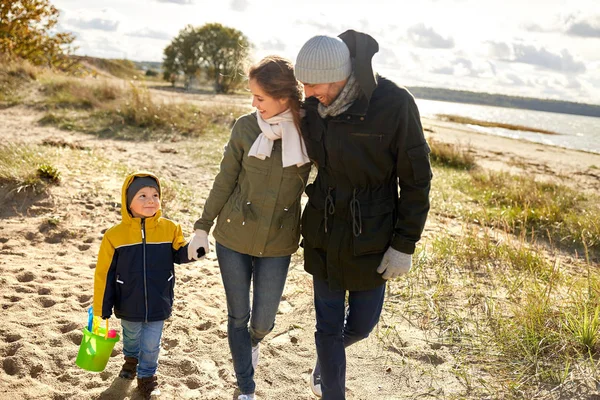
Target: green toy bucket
[(95, 350)]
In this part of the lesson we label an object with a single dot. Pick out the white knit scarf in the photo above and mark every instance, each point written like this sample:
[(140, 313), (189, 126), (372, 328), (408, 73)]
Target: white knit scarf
[(282, 127)]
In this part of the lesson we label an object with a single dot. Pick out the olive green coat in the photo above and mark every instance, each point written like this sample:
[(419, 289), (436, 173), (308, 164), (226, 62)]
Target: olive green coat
[(257, 202)]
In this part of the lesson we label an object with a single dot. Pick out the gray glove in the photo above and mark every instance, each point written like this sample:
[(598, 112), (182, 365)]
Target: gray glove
[(200, 239), (394, 264)]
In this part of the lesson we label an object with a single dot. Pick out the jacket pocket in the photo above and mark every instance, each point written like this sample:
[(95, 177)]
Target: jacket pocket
[(160, 284), (313, 227), (129, 294), (419, 161), (376, 223)]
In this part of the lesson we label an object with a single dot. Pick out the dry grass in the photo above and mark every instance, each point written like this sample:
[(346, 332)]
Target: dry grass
[(520, 316), (14, 77), (452, 156), (109, 111)]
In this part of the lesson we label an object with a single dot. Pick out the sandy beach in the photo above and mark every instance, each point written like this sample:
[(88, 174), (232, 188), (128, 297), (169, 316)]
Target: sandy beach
[(48, 248)]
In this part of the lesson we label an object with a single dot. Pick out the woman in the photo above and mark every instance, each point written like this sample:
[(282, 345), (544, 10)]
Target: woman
[(256, 197)]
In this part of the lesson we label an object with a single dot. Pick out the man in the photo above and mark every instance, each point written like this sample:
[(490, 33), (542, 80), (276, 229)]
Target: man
[(370, 199)]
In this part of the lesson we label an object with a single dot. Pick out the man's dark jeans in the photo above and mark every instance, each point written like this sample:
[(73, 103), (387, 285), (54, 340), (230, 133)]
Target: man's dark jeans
[(338, 328)]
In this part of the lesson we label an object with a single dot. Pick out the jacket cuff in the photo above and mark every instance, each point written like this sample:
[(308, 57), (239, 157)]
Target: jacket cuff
[(205, 226), (403, 245)]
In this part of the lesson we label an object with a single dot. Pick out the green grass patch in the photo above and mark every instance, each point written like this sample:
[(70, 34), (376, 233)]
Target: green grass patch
[(519, 204), (25, 167), (523, 322)]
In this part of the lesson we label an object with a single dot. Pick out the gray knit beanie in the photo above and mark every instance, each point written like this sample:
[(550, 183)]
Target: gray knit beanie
[(138, 183), (323, 59)]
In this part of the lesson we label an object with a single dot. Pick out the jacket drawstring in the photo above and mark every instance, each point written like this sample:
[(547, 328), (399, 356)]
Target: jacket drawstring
[(356, 215), (329, 206)]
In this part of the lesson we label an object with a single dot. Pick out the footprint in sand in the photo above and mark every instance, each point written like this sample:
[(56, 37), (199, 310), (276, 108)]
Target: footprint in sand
[(68, 327), (187, 367), (193, 383), (205, 326), (11, 365), (26, 277), (83, 298), (12, 349), (36, 370), (24, 289), (46, 302), (83, 247), (44, 291), (170, 344), (12, 337), (75, 337)]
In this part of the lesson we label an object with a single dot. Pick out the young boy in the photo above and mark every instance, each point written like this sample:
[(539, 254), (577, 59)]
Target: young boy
[(135, 275)]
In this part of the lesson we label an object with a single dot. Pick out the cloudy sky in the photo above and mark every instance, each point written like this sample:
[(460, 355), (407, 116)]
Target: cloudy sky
[(538, 48)]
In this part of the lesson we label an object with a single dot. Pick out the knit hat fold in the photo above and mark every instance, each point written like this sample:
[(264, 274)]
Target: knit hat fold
[(138, 183), (323, 59)]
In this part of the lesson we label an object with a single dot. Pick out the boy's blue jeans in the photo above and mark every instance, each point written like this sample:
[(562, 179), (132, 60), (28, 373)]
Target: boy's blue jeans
[(339, 327), (142, 341), (237, 271)]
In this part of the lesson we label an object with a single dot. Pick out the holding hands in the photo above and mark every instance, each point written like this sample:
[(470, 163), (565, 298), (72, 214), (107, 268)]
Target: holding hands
[(394, 264), (199, 240)]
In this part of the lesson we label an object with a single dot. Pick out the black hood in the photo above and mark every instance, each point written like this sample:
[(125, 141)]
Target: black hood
[(362, 49)]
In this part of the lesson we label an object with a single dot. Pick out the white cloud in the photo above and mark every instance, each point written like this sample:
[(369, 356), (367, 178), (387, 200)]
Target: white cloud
[(177, 1), (563, 62), (239, 5), (588, 29), (422, 36), (573, 24), (150, 33), (94, 23), (443, 70), (499, 51), (274, 45), (513, 79)]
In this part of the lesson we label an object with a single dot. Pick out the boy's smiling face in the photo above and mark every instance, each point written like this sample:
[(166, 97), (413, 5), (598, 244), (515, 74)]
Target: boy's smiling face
[(145, 203)]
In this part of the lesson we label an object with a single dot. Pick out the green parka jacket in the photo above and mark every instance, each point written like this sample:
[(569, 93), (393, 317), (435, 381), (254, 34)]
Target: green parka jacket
[(257, 202), (373, 181)]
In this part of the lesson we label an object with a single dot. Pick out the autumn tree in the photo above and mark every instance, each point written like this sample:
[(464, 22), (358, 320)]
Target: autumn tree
[(27, 31), (170, 66), (217, 50)]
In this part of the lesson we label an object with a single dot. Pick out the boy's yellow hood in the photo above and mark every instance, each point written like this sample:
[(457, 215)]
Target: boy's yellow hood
[(127, 218)]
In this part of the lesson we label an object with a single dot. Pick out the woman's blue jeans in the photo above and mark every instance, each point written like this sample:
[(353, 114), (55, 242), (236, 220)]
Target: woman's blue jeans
[(269, 275), (142, 341)]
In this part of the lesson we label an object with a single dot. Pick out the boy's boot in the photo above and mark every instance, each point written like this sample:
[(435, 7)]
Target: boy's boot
[(129, 368), (148, 386)]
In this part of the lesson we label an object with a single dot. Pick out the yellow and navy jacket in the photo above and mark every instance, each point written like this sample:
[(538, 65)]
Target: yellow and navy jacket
[(135, 271)]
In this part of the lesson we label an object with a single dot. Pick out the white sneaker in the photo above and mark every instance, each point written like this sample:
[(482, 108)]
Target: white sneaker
[(247, 397), (255, 355), (315, 384)]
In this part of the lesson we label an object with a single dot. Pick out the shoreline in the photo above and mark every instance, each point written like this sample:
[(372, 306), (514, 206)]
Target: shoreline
[(572, 167), (466, 128)]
